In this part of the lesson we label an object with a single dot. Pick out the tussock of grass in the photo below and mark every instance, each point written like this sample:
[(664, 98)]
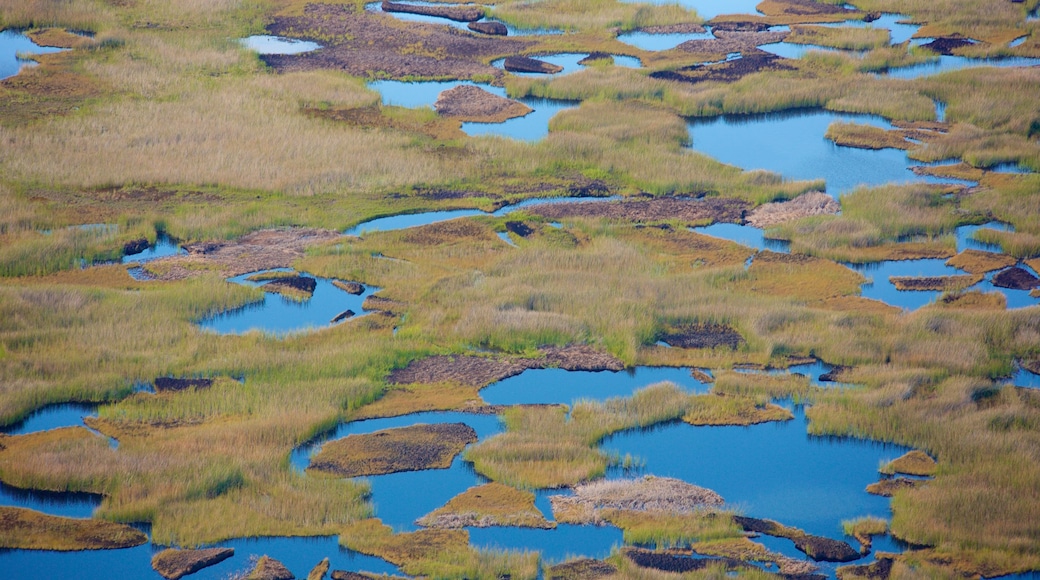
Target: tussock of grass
[(845, 38), (491, 504), (912, 463), (23, 529), (978, 262), (724, 410), (404, 449)]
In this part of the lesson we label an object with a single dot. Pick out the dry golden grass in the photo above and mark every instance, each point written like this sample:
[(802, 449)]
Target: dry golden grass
[(730, 410), (801, 277), (491, 504), (419, 397), (912, 463), (23, 529), (979, 262), (940, 283), (866, 136), (404, 449)]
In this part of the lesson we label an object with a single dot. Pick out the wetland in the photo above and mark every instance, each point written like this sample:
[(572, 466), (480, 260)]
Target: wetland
[(540, 289)]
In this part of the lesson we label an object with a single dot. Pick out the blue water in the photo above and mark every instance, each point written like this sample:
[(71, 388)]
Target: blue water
[(279, 315), (655, 42), (1025, 378), (793, 145), (947, 63), (744, 235), (163, 247), (898, 33), (556, 545), (298, 554), (266, 44), (708, 9), (882, 289), (1018, 41), (773, 470), (557, 386), (792, 50), (569, 62), (67, 504), (13, 42), (52, 417)]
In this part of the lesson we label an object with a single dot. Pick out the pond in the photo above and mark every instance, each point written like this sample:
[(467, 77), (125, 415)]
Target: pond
[(279, 315), (163, 247), (561, 387), (656, 42), (266, 44), (570, 63), (530, 127), (708, 9), (14, 43), (793, 145), (409, 17)]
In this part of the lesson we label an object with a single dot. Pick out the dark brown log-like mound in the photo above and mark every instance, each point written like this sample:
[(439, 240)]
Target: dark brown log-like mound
[(1016, 278), (406, 449), (703, 336), (172, 564), (523, 64), (491, 28), (170, 384)]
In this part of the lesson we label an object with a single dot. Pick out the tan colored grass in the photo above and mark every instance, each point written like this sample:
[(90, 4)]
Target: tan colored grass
[(491, 504), (979, 262), (23, 529), (912, 463)]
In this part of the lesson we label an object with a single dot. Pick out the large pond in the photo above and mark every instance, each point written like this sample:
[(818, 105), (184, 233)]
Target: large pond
[(13, 45), (279, 315)]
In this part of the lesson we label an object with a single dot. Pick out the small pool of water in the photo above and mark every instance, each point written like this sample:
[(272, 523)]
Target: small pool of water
[(880, 288), (793, 145), (1018, 41), (1023, 377), (13, 43), (279, 315), (570, 63), (744, 235), (163, 247), (266, 44), (52, 417), (67, 504), (965, 241), (792, 50), (773, 470), (561, 387), (708, 9), (946, 63), (300, 555), (656, 42), (898, 33)]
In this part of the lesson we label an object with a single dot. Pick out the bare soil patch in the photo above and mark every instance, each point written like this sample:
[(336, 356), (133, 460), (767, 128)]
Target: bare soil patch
[(880, 569), (456, 13), (406, 449), (679, 563), (262, 250), (474, 104), (947, 45), (648, 494), (932, 283), (702, 335), (524, 64), (490, 28), (172, 564), (805, 205), (478, 371), (1016, 278), (684, 209), (816, 547), (729, 71), (583, 569), (681, 28), (24, 529), (371, 44)]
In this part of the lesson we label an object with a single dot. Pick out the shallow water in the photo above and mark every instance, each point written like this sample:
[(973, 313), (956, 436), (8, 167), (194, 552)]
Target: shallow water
[(13, 43), (1025, 378), (67, 504), (558, 386), (279, 315), (569, 62), (773, 470), (882, 289), (744, 235), (52, 417), (298, 554), (655, 42), (266, 44), (898, 33), (947, 63), (708, 9), (163, 247), (793, 145)]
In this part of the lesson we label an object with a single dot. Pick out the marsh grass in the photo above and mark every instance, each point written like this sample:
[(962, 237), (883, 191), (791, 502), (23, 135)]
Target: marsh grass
[(845, 38), (25, 529), (491, 504), (668, 530)]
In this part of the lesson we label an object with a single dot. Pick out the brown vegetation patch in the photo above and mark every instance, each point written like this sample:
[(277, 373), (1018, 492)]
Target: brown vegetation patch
[(816, 547), (406, 449), (648, 494), (688, 210), (582, 569), (319, 571), (171, 384), (1016, 278), (24, 529), (173, 564), (373, 117), (940, 283), (979, 262), (386, 305), (58, 38), (680, 28), (53, 88), (292, 285), (447, 232), (728, 42), (371, 44), (343, 316), (805, 11), (728, 71), (474, 104), (702, 335), (524, 64), (867, 137), (973, 300), (880, 569), (947, 45), (480, 371), (807, 204), (858, 304), (268, 568), (597, 58), (490, 28), (914, 462), (670, 561), (730, 410), (261, 250), (456, 13), (889, 487), (349, 287), (492, 504)]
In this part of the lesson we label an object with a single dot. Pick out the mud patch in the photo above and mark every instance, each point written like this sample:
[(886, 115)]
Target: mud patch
[(934, 283), (677, 562), (805, 205), (170, 384), (268, 568), (1016, 279), (477, 371), (489, 28), (473, 104), (293, 286), (349, 287), (648, 494), (702, 335), (523, 64), (393, 450), (726, 72), (947, 45), (683, 209), (24, 529), (456, 13), (370, 44), (172, 564), (816, 547), (878, 570), (583, 569), (262, 250), (519, 228), (728, 42)]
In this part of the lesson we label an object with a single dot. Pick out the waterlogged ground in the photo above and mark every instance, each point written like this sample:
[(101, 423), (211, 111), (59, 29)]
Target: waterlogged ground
[(15, 50)]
